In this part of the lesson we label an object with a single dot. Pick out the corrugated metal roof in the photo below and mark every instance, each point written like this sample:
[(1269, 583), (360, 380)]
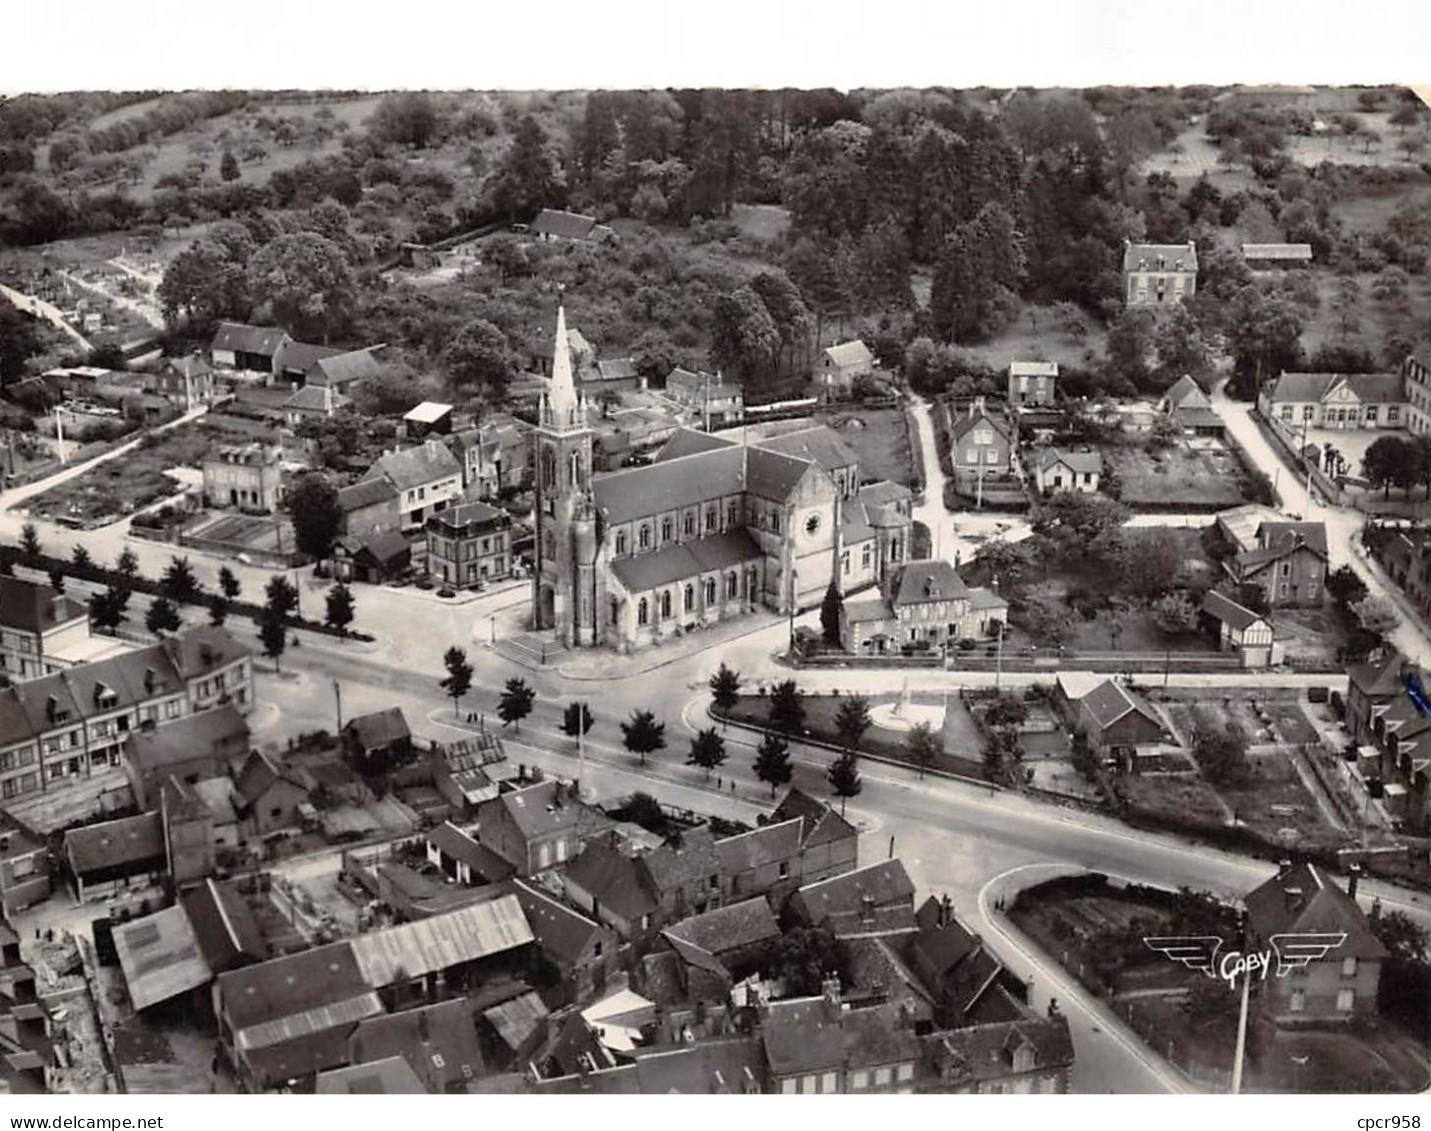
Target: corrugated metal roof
[(443, 941), (160, 957)]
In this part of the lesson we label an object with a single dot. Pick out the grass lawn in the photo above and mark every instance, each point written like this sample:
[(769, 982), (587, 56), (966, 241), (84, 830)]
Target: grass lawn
[(1185, 800), (1034, 335), (1177, 477), (124, 485), (880, 437), (1275, 800), (820, 711)]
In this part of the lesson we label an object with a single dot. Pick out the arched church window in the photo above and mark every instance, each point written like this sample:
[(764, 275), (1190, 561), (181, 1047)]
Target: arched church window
[(732, 584), (689, 598), (620, 542), (710, 591), (644, 537), (643, 611), (666, 603), (665, 530)]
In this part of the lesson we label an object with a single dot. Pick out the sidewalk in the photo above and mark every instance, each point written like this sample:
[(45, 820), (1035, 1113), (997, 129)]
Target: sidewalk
[(601, 665)]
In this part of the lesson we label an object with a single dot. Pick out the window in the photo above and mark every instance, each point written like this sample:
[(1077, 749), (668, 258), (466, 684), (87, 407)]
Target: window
[(710, 518), (666, 603), (865, 557), (789, 1087), (1286, 412), (643, 612), (689, 524), (1309, 411), (688, 598), (1349, 967), (984, 436), (775, 522), (784, 869), (666, 530), (973, 456), (859, 1080), (1285, 569), (827, 1083), (710, 591), (845, 563), (883, 1076), (1346, 1000), (906, 1072), (620, 542), (730, 513), (812, 525), (731, 584), (643, 538), (615, 611), (1298, 1001), (715, 883)]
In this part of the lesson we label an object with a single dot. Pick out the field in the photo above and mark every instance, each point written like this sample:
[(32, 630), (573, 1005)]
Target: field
[(1369, 321), (1276, 806), (1177, 477), (1034, 335), (880, 437), (764, 222)]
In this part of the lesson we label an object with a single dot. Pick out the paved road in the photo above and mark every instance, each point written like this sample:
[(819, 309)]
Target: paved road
[(42, 309), (1343, 523)]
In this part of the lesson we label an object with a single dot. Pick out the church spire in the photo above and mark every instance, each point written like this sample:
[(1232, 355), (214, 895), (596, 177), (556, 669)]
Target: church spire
[(564, 401)]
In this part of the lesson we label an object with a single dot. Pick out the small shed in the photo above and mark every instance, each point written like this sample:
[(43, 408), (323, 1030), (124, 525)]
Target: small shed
[(377, 741)]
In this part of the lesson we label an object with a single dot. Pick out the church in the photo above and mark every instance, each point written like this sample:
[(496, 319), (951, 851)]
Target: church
[(713, 528)]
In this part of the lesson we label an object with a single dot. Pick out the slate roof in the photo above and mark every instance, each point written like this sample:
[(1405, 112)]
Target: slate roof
[(365, 494), (115, 844), (300, 357), (727, 928), (1186, 393), (240, 338), (878, 885), (819, 444), (772, 474), (292, 985), (438, 1041), (683, 560), (1196, 417), (1110, 701), (393, 1076), (694, 862), (975, 1053), (1312, 534), (850, 353), (1144, 256), (196, 735), (453, 842), (225, 927), (868, 610), (617, 369), (563, 934), (1305, 899), (932, 580), (1080, 462), (417, 466), (1381, 678), (687, 441), (958, 957), (618, 882), (821, 823), (1033, 369), (31, 607), (723, 1066), (965, 423), (1260, 251), (537, 810), (260, 771), (344, 368), (378, 728), (769, 844), (670, 485), (804, 1036), (1370, 388), (1228, 611), (567, 225)]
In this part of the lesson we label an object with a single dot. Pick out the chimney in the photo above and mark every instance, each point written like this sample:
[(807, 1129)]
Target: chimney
[(830, 991), (1353, 876), (1375, 917), (946, 911), (977, 407)]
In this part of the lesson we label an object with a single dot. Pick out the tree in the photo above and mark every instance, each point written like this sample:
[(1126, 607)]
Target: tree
[(1401, 935), (725, 688), (1149, 562), (19, 341), (179, 582), (340, 609), (1003, 756), (1175, 613), (80, 558), (707, 750), (830, 610), (273, 635), (787, 712), (218, 610), (744, 337), (306, 280), (516, 703), (1345, 587), (525, 180), (803, 958), (852, 719), (280, 598), (127, 564), (229, 584), (1386, 460), (29, 538), (924, 746), (1007, 711), (1082, 756), (57, 579), (576, 719), (107, 608), (1376, 614), (1221, 752), (317, 517), (206, 282), (408, 118), (479, 359), (643, 734), (458, 681), (844, 778), (162, 617), (229, 166), (772, 762)]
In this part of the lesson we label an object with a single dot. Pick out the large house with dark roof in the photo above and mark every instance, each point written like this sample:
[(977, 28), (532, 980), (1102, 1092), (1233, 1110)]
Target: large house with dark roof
[(253, 349), (1155, 274), (41, 629), (1107, 711), (927, 607), (633, 556), (427, 477), (1335, 400), (1289, 564), (1389, 716)]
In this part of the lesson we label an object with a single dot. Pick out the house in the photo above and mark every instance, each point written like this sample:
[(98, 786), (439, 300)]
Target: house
[(378, 740), (187, 381), (370, 507), (614, 375), (1032, 383), (372, 558), (1404, 556), (1027, 1056), (820, 1046), (877, 899), (841, 365), (1416, 376), (246, 477), (714, 400), (470, 544), (107, 857), (1272, 256), (24, 868), (202, 745), (438, 1042), (766, 861), (224, 926), (464, 859), (41, 630), (715, 946), (428, 478), (296, 359), (1237, 527), (268, 794), (1107, 711), (538, 826), (1335, 400), (1238, 629), (343, 372), (928, 608), (614, 888), (254, 349), (553, 225), (391, 1076), (495, 457), (430, 418), (1189, 408), (1339, 985), (829, 844), (312, 402), (982, 444), (1389, 716), (74, 723), (1154, 274), (1056, 469), (1289, 564), (583, 951)]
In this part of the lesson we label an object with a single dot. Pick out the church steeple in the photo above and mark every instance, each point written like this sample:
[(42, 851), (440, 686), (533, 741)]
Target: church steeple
[(565, 407)]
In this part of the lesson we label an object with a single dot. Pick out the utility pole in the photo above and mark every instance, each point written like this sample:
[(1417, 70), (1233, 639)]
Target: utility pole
[(580, 745), (338, 703), (999, 658), (1240, 1051)]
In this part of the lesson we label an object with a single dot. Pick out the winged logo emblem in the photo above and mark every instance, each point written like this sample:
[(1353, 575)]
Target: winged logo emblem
[(1196, 952), (1295, 951)]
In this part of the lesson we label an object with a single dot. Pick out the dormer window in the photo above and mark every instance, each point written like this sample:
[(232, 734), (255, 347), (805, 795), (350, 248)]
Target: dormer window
[(104, 696)]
